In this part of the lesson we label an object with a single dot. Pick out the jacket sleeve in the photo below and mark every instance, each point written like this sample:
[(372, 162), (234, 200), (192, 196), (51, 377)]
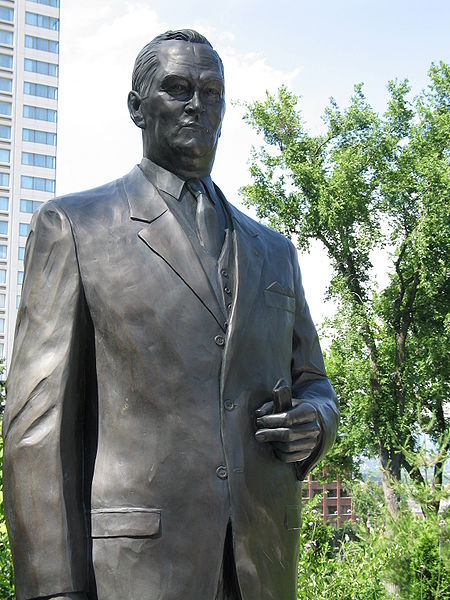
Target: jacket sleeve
[(309, 379), (42, 425)]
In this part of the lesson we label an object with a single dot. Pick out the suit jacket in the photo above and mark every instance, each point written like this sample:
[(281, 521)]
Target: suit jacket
[(129, 425)]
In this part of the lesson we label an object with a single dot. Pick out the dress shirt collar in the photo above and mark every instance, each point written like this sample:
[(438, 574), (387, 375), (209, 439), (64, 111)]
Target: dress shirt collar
[(169, 182)]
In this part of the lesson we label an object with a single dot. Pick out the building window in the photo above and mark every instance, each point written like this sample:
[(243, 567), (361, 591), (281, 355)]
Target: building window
[(7, 14), (39, 66), (17, 300), (38, 160), (5, 155), (29, 206), (19, 277), (37, 183), (54, 3), (3, 276), (6, 61), (21, 252), (2, 351), (40, 137), (2, 300), (5, 108), (5, 84), (4, 203), (3, 251), (2, 325), (23, 229), (39, 89), (3, 227), (4, 179), (38, 20), (5, 132), (6, 37), (38, 43), (41, 114)]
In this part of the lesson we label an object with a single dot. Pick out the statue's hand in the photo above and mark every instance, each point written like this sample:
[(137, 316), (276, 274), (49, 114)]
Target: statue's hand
[(294, 434)]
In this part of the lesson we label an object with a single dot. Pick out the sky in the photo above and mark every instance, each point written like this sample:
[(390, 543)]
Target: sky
[(318, 48)]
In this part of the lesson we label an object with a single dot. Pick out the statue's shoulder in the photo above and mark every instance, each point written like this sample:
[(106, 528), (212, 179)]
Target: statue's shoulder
[(101, 203), (91, 200)]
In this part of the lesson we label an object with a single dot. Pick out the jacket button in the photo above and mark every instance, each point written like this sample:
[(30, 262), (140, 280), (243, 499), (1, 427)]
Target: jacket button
[(228, 404), (220, 340), (222, 472)]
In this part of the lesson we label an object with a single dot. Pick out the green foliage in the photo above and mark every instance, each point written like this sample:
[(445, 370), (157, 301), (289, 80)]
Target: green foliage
[(409, 559), (6, 567), (373, 185)]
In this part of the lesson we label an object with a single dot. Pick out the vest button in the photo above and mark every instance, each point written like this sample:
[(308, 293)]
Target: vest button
[(224, 273), (222, 472), (220, 340), (228, 404), (227, 290)]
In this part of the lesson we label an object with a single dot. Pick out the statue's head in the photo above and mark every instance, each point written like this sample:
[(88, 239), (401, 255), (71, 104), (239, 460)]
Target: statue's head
[(177, 99)]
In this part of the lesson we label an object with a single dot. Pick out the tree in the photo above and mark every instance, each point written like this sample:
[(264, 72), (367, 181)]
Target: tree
[(373, 183)]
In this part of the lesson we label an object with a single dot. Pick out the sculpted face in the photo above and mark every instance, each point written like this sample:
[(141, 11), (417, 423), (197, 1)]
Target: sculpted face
[(183, 110)]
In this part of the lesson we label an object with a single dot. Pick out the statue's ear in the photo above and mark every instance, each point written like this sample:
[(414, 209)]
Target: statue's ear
[(134, 106)]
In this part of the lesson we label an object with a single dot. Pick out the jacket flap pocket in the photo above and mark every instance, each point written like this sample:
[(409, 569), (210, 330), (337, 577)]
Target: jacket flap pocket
[(279, 300), (129, 522)]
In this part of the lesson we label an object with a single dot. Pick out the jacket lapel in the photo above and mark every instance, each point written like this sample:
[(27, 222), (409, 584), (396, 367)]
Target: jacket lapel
[(249, 259), (164, 235)]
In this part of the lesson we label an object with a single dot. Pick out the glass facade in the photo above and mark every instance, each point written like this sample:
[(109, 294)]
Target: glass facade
[(37, 183), (7, 14), (40, 89), (23, 229), (6, 37), (39, 137), (38, 20), (5, 108), (5, 84), (37, 43), (5, 155), (5, 132), (40, 114), (6, 61), (54, 3), (39, 66), (38, 160), (29, 206)]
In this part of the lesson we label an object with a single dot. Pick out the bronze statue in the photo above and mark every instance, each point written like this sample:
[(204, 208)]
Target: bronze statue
[(151, 450)]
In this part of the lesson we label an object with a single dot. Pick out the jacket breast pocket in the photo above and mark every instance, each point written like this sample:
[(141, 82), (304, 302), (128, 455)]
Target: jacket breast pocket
[(126, 522), (278, 297)]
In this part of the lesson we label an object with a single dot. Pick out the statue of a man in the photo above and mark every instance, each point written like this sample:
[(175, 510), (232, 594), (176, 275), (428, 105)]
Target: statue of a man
[(146, 453)]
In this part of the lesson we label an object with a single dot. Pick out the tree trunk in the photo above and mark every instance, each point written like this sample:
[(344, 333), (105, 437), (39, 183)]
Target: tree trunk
[(390, 471)]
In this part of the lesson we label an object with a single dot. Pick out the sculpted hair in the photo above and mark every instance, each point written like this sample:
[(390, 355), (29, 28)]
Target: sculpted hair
[(147, 59)]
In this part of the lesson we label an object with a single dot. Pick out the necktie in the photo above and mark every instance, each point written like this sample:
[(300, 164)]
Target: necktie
[(206, 220)]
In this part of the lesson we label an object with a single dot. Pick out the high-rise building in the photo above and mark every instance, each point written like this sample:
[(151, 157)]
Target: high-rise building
[(29, 53)]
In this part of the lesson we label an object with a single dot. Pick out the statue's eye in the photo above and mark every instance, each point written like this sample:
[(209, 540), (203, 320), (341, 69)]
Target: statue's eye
[(212, 93), (178, 89)]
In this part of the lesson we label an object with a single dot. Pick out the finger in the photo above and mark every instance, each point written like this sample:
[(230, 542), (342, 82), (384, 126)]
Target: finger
[(288, 457), (302, 413), (265, 409), (283, 434), (308, 443)]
